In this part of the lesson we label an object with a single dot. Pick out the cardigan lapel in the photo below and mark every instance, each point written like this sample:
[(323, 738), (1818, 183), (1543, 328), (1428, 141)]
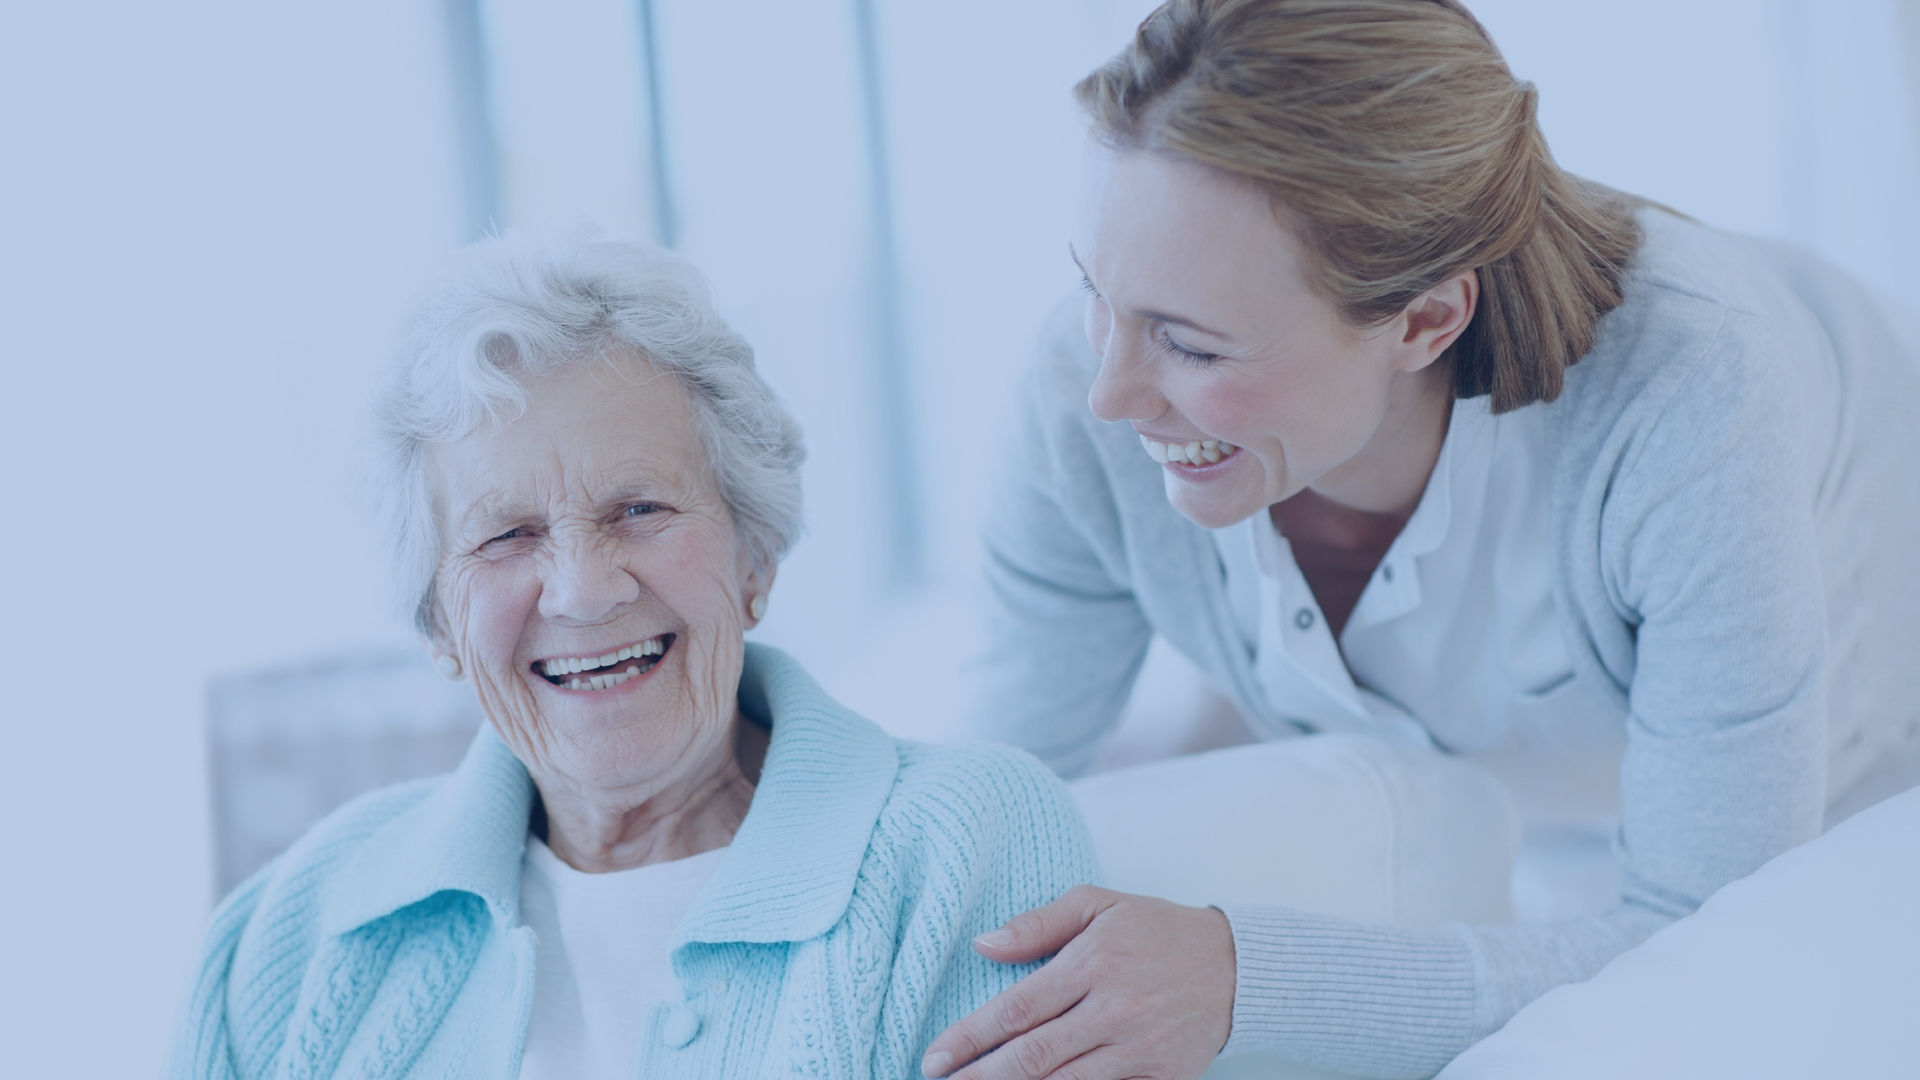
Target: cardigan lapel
[(788, 875), (469, 834), (790, 872)]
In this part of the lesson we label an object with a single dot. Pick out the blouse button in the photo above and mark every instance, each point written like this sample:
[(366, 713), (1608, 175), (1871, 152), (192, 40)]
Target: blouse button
[(1303, 618), (681, 1025)]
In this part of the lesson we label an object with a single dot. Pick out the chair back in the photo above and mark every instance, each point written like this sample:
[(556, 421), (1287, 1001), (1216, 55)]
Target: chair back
[(289, 745)]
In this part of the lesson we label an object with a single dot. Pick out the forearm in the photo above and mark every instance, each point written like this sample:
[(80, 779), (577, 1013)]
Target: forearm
[(1398, 1002)]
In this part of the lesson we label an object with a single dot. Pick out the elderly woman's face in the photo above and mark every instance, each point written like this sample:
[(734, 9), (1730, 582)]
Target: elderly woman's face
[(591, 582)]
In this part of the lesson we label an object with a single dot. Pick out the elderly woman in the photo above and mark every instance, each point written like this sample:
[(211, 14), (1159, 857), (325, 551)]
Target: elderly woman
[(668, 853)]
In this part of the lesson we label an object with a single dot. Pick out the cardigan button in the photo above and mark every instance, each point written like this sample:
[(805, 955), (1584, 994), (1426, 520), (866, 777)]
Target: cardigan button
[(1303, 618), (680, 1026)]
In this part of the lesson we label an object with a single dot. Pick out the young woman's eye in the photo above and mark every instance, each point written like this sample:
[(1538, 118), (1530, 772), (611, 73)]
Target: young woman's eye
[(1180, 352), (1086, 283)]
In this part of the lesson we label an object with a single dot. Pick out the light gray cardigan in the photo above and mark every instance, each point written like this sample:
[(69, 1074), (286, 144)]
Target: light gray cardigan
[(1736, 530)]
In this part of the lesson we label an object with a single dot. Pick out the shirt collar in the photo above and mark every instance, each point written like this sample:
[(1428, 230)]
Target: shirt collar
[(1426, 530), (788, 875), (1461, 465)]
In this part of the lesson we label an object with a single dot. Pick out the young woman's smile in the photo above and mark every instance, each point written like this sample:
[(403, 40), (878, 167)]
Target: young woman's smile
[(1241, 380)]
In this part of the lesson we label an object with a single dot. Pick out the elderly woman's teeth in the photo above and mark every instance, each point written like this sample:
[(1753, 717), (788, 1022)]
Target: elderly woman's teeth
[(573, 665), (604, 682), (1204, 452)]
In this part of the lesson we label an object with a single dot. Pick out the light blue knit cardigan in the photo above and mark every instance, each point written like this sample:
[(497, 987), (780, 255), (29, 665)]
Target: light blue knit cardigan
[(832, 942)]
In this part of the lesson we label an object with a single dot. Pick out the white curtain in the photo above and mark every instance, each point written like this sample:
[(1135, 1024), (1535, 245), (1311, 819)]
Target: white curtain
[(893, 306)]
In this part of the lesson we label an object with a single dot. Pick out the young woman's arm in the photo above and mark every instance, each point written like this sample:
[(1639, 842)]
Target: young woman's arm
[(1065, 633)]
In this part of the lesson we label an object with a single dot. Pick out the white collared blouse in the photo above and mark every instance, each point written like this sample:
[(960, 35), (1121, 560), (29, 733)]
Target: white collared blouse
[(1454, 641)]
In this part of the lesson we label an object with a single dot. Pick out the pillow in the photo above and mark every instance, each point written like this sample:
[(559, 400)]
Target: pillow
[(1810, 967), (1336, 824)]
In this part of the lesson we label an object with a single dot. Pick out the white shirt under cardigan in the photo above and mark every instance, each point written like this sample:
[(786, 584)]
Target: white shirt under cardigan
[(1731, 520), (604, 942)]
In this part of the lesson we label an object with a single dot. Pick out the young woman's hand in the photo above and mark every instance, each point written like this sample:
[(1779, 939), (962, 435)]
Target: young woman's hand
[(1138, 987)]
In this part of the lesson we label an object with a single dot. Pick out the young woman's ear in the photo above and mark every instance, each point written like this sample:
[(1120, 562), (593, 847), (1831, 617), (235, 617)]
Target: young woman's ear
[(1437, 318)]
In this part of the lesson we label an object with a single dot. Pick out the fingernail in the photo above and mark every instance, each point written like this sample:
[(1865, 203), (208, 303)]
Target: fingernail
[(936, 1063), (998, 939)]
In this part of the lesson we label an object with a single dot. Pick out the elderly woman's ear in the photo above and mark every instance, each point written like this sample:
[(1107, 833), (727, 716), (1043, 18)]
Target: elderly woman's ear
[(446, 660), (441, 649), (759, 583), (446, 663)]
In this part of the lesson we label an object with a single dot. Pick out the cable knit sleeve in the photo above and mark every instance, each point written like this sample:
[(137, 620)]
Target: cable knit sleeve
[(203, 1048), (255, 957), (972, 837)]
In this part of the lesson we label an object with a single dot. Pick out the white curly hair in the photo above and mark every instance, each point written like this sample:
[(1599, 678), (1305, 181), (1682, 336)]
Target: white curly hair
[(520, 305)]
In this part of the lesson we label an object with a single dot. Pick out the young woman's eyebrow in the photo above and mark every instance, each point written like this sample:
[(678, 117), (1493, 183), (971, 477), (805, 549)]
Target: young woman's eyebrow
[(1156, 316)]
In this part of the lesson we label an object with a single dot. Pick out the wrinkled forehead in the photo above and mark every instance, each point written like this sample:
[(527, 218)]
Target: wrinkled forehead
[(590, 436)]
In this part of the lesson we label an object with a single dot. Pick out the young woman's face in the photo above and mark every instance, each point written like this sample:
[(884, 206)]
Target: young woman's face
[(1209, 332)]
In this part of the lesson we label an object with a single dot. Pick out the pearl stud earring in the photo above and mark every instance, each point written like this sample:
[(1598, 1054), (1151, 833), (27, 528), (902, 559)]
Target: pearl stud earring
[(758, 607), (449, 665)]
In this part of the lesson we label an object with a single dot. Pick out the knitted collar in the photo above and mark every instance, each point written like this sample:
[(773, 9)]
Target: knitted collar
[(788, 876)]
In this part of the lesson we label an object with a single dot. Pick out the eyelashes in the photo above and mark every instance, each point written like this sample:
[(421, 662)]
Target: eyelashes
[(1185, 355), (1161, 340), (631, 512)]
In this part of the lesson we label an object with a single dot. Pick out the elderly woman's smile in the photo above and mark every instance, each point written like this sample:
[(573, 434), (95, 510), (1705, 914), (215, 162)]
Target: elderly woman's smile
[(565, 671), (592, 583)]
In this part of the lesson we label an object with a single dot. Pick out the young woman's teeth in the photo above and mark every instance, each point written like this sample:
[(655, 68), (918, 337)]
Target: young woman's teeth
[(1204, 452), (574, 665)]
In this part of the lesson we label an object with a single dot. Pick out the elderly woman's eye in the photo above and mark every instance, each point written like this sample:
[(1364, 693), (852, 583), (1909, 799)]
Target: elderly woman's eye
[(642, 510), (511, 534)]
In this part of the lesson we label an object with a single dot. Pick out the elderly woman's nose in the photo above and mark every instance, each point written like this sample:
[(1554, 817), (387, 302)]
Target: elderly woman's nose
[(1125, 388), (586, 581)]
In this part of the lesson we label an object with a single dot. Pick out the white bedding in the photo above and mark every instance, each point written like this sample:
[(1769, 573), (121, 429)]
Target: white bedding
[(1335, 824), (1808, 968)]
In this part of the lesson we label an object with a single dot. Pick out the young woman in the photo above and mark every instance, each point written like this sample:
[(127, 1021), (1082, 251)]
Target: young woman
[(1395, 427)]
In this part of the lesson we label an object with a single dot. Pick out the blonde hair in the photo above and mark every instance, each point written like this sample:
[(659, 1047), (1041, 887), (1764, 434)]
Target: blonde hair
[(1405, 152)]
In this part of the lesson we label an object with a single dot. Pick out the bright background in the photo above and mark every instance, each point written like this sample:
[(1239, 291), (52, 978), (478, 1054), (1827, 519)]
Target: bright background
[(213, 215)]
